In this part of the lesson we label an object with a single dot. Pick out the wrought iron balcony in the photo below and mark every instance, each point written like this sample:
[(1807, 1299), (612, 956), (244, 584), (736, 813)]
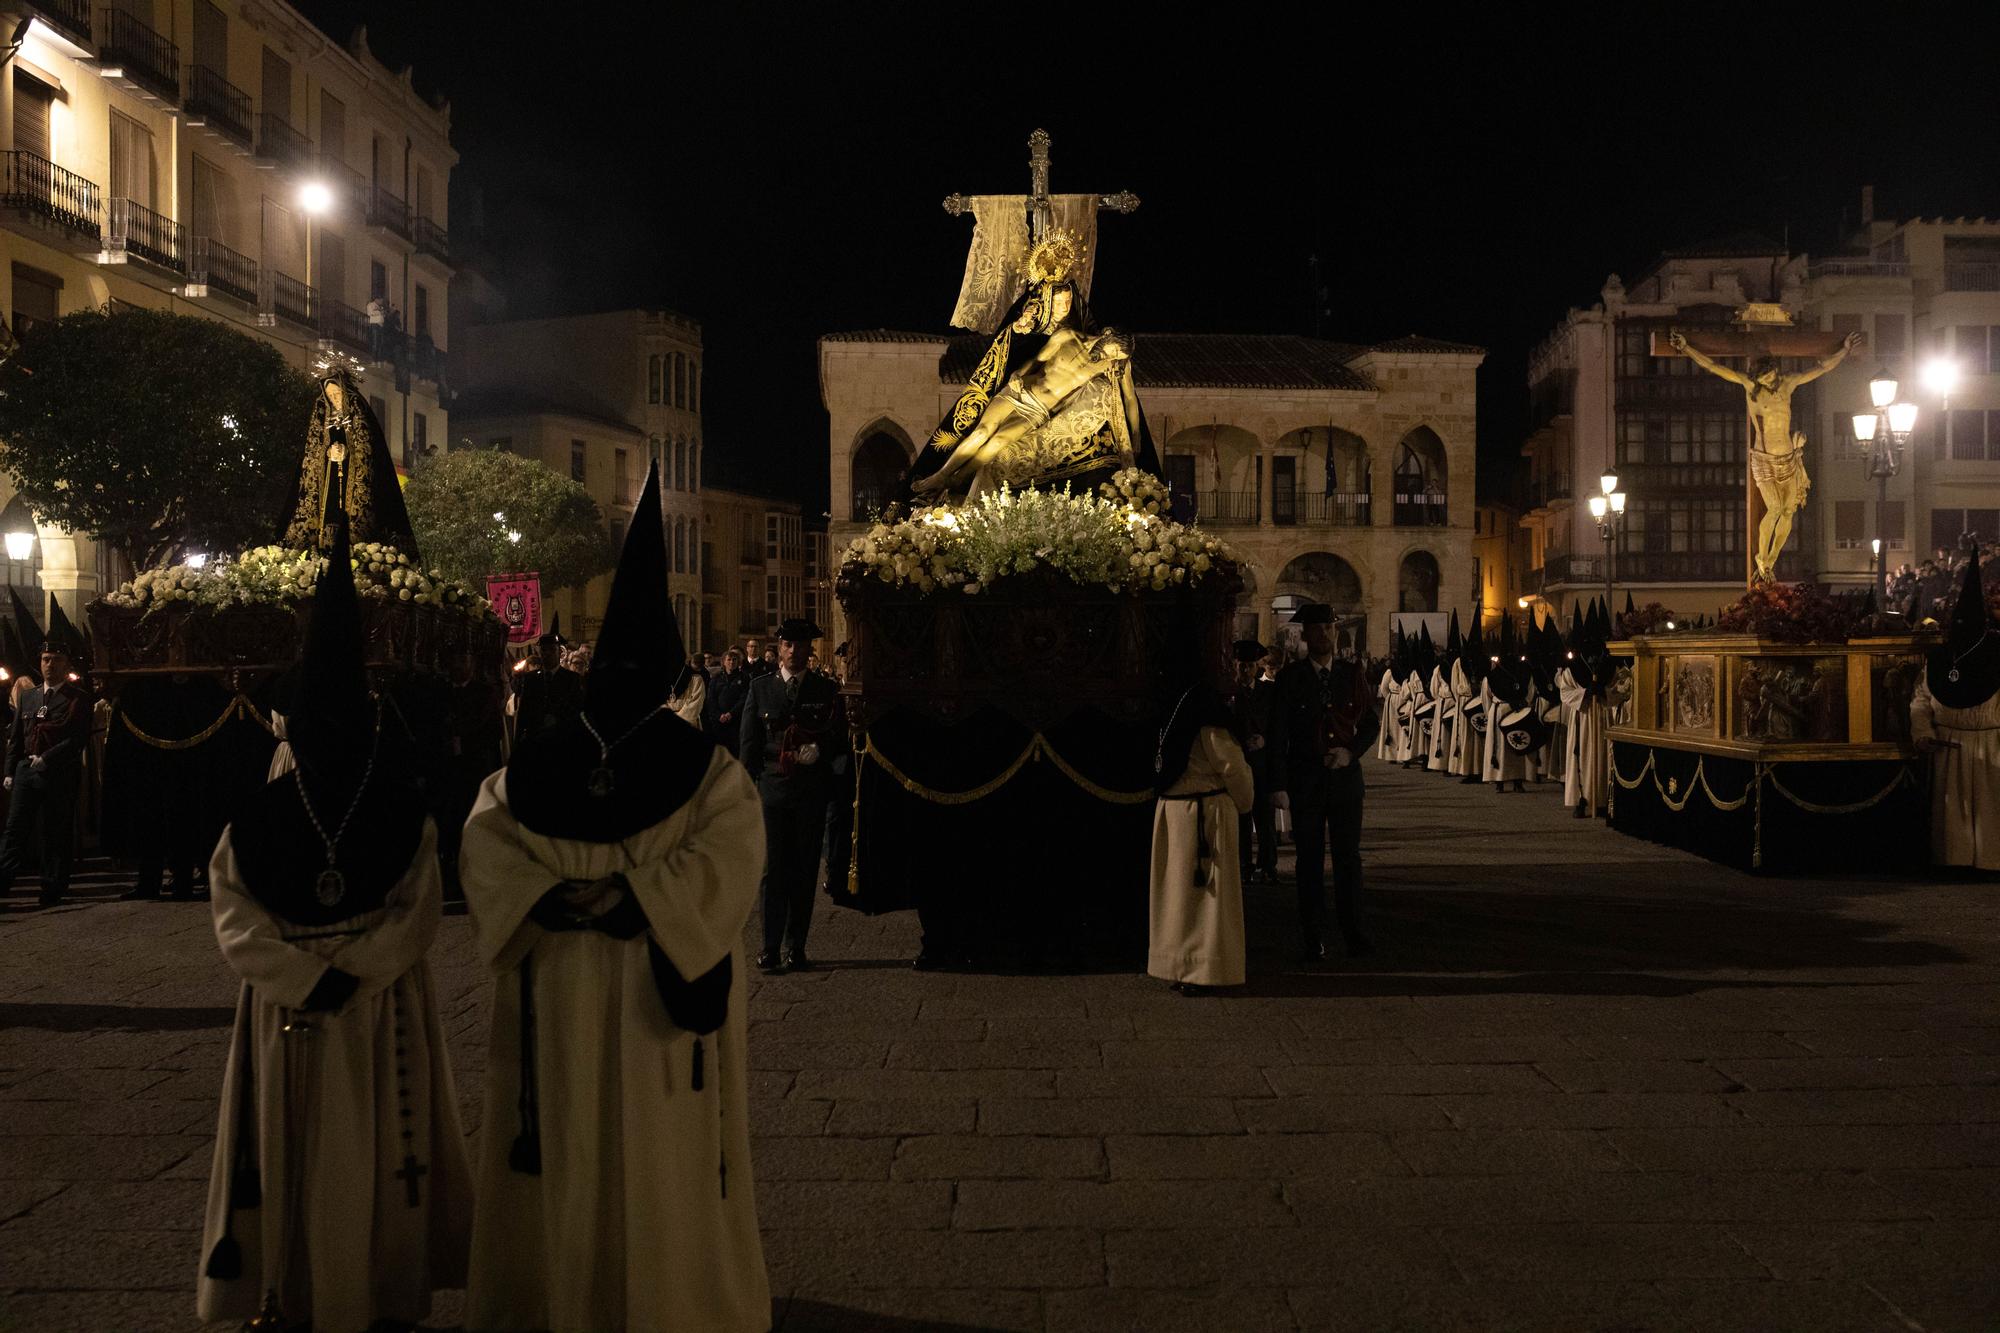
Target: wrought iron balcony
[(1679, 567), (1420, 509), (134, 52), (278, 142), (426, 361), (38, 186), (342, 323), (1225, 509), (139, 232), (389, 212), (288, 298), (1545, 493), (72, 17), (431, 239), (1972, 277), (1568, 569), (215, 268), (1858, 268), (217, 103)]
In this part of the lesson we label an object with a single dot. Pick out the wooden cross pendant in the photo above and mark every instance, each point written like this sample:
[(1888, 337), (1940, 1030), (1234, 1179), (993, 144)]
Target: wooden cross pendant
[(413, 1172)]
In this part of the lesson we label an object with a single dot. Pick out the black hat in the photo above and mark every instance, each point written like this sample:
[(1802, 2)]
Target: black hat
[(1246, 650), (796, 629), (1964, 672), (1314, 613), (639, 643), (62, 636), (841, 651), (14, 653), (25, 623), (1454, 642), (333, 710), (553, 634)]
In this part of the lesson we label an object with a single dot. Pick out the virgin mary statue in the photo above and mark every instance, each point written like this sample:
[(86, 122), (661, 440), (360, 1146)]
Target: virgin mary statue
[(347, 456)]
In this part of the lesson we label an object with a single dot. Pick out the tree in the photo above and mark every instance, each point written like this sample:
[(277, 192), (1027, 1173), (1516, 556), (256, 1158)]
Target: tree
[(454, 498), (157, 433)]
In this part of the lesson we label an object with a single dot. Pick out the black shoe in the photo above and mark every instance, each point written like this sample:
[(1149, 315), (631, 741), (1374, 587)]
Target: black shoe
[(140, 893), (1314, 951), (770, 964), (1583, 809), (1469, 779), (798, 962)]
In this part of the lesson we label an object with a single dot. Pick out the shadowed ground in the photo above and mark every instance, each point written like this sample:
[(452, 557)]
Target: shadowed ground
[(1587, 1083)]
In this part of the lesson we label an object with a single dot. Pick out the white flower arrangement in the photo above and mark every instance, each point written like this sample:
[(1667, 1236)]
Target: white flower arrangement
[(1120, 539), (279, 576)]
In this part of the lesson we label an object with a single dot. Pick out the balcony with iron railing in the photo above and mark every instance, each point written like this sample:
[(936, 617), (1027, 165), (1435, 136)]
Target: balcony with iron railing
[(218, 104), (70, 17), (431, 239), (134, 52), (388, 211), (1981, 277), (1225, 509), (214, 268), (278, 142), (348, 186), (1421, 509), (426, 361), (341, 323), (1858, 268), (39, 187), (1552, 490), (136, 231), (288, 298)]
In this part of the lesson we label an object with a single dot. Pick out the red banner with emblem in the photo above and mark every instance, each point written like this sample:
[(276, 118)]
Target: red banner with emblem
[(517, 600)]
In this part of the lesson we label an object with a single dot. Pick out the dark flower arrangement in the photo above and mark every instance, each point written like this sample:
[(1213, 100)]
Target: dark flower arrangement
[(1794, 613), (1652, 618)]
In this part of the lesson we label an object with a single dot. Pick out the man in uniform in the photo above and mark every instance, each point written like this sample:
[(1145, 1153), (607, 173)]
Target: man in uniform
[(44, 768), (1323, 719), (793, 729), (1250, 716), (726, 694), (548, 694)]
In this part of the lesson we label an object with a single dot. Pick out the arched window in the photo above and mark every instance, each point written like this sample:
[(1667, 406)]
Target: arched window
[(653, 450), (879, 465), (1420, 480), (1417, 582), (680, 545), (694, 385), (680, 464), (653, 385), (680, 380), (694, 466), (1321, 576)]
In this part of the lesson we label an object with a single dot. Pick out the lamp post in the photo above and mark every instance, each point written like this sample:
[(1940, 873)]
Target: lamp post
[(1608, 508), (1886, 430), (315, 198)]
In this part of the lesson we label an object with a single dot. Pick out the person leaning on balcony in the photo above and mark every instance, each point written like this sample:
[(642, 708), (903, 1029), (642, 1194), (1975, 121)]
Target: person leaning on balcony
[(378, 316)]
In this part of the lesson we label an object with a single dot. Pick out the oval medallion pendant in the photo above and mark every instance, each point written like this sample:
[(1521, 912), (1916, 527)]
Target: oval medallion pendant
[(600, 782), (330, 887), (1952, 675)]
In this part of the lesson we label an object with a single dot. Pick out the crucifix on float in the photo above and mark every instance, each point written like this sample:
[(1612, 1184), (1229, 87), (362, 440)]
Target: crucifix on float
[(1775, 488), (1037, 200)]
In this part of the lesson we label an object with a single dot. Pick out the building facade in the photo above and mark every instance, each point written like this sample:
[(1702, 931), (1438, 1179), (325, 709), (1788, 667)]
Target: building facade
[(1340, 473), (158, 154), (600, 398), (758, 571)]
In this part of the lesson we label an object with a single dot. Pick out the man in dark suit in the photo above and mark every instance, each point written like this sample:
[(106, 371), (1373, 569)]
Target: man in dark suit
[(794, 728), (1323, 720), (547, 693), (1250, 720), (727, 693), (44, 768)]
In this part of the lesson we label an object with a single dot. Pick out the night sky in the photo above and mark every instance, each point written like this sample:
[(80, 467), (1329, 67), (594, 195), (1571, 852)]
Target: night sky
[(779, 177)]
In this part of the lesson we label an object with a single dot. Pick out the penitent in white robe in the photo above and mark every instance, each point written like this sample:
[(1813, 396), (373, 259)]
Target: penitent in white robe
[(369, 1254), (1583, 768), (1197, 908), (643, 1216), (1965, 778), (1441, 721), (1465, 741), (1385, 700)]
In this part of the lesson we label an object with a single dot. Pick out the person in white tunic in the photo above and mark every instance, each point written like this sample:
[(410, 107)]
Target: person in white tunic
[(1205, 784), (340, 1193), (1955, 719), (1385, 706), (1468, 675), (610, 870)]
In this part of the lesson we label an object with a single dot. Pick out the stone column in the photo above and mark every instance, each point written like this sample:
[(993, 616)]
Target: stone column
[(69, 571), (1265, 489)]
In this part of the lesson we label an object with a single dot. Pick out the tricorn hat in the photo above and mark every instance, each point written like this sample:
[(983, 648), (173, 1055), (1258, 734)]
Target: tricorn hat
[(797, 629), (1249, 650), (1315, 613)]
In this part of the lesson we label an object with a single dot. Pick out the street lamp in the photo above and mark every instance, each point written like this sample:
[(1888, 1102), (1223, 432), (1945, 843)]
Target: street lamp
[(1608, 508), (315, 198), (1940, 376), (1886, 431), (20, 543)]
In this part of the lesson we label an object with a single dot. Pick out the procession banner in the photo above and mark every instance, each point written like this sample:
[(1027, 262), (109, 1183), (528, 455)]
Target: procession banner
[(517, 600)]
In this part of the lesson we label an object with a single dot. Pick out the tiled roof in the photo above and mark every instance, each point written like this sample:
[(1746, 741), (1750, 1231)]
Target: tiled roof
[(883, 336), (1416, 342), (1211, 360)]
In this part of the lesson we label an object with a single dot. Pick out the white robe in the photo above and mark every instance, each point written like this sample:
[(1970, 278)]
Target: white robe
[(1465, 741), (1441, 721), (643, 1216), (1503, 763), (689, 704), (1583, 768), (1965, 778), (1385, 696), (1197, 919), (371, 1255)]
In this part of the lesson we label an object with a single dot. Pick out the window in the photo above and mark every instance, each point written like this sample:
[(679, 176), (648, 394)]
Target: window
[(1849, 518), (33, 100), (211, 38), (420, 305), (1968, 433), (134, 169), (621, 465), (1846, 324), (332, 126), (576, 461), (277, 87), (1968, 344), (1895, 536), (694, 466), (378, 281), (420, 436), (1891, 335), (209, 198), (680, 464), (772, 606), (770, 536), (37, 298), (1992, 352), (653, 381), (680, 386), (694, 386)]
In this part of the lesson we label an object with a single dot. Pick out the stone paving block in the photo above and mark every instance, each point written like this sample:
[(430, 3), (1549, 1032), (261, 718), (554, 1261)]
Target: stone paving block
[(44, 1257), (1138, 1310), (197, 1164), (1349, 1051), (1251, 1156), (1409, 1080), (1634, 1076), (1820, 1251), (1969, 1304), (769, 1054), (763, 1082), (1505, 1151), (122, 1310), (18, 1196), (870, 1116), (835, 1205), (1107, 1115), (1829, 1106), (1612, 1044), (1020, 1027), (822, 1158), (1119, 1205), (1567, 1252), (1972, 1192), (870, 1031), (1150, 1054), (93, 1157), (1487, 1307), (140, 1205), (923, 1084), (997, 1157), (855, 1008), (1863, 1071), (1955, 1106), (1307, 1115), (875, 1311), (1870, 1041), (1226, 1082), (1444, 1049), (1593, 1110), (95, 1117), (785, 1116), (88, 1085), (820, 1260), (1270, 1256), (1805, 1148), (1052, 1053)]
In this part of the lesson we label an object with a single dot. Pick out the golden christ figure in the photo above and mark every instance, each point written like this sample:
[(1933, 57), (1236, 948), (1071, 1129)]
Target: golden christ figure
[(1777, 452)]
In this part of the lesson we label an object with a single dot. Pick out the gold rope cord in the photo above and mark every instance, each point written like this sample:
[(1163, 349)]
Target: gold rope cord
[(1698, 779), (1038, 746), (240, 706), (1851, 807), (1765, 773)]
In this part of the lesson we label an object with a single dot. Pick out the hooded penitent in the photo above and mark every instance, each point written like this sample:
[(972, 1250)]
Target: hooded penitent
[(64, 635), (1475, 655), (27, 627), (350, 784), (561, 783), (1964, 672), (1454, 646)]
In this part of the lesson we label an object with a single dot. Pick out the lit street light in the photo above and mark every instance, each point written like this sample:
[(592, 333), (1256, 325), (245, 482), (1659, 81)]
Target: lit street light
[(20, 543), (1886, 431), (315, 198), (1608, 508)]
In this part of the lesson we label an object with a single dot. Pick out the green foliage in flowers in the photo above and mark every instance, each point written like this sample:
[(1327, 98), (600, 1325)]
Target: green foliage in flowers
[(552, 526), (1117, 540), (276, 576), (157, 433)]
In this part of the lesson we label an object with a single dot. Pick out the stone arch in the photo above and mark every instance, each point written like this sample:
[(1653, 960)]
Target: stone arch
[(1322, 576), (879, 468), (1332, 479), (1421, 479), (1418, 579), (1212, 471)]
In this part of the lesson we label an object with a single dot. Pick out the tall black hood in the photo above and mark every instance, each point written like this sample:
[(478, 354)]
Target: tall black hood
[(1965, 671)]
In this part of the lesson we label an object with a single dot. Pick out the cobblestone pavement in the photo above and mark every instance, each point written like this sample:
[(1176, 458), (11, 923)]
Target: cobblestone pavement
[(1587, 1083)]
